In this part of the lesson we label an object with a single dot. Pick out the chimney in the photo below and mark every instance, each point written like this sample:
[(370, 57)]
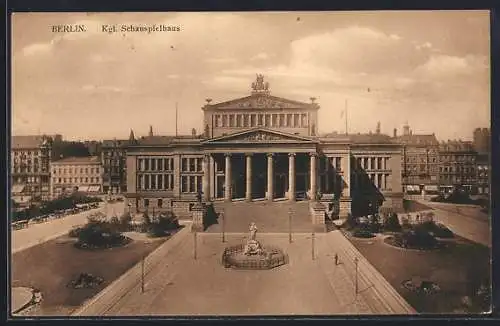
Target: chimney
[(150, 131), (377, 130), (395, 133)]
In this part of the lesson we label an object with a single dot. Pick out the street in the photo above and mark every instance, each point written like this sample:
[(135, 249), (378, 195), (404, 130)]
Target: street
[(465, 222), (39, 233)]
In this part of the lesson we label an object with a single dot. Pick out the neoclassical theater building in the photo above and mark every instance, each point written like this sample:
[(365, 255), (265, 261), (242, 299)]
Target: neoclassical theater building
[(264, 147)]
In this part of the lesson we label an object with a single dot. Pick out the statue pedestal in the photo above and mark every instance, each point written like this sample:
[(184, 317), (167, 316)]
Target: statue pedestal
[(197, 213)]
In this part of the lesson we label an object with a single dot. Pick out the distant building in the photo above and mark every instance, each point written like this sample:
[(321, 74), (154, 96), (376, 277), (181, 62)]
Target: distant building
[(82, 174), (93, 147), (30, 174), (114, 162), (419, 162), (457, 166), (482, 140)]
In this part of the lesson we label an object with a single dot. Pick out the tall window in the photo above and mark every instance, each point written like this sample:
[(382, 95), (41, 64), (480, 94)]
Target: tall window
[(231, 120), (184, 183), (303, 118), (160, 182), (146, 182), (146, 164), (274, 122), (224, 120), (260, 120), (216, 120), (289, 120), (282, 120), (267, 122), (184, 167), (153, 164), (146, 202), (153, 181), (192, 164), (245, 120), (160, 203), (379, 163)]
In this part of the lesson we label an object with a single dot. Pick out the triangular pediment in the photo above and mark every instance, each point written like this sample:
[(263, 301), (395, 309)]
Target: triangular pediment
[(261, 101), (260, 135)]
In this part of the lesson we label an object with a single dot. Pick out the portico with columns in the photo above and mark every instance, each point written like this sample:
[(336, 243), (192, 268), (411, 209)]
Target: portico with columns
[(264, 165)]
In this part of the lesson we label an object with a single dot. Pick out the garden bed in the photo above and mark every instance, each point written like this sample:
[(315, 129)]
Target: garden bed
[(51, 266)]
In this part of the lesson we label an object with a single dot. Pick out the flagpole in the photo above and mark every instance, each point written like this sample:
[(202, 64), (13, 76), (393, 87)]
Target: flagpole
[(346, 117), (175, 119)]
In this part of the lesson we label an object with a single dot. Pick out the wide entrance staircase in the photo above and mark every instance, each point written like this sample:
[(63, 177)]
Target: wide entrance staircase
[(269, 217)]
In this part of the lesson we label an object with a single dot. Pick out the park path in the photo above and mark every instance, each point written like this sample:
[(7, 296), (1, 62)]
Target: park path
[(461, 221), (36, 234)]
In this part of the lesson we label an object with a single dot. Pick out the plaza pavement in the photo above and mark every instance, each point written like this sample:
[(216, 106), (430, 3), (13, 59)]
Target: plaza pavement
[(463, 220), (180, 285), (38, 233)]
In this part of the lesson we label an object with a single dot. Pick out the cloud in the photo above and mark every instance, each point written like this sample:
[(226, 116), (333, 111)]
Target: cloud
[(445, 66), (260, 56), (99, 89)]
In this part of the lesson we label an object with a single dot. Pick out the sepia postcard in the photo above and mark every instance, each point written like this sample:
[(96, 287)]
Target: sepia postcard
[(250, 164)]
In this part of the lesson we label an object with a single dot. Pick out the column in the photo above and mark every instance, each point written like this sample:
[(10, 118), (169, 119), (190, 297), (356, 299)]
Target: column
[(291, 176), (313, 169), (248, 193), (270, 177), (227, 191), (206, 177)]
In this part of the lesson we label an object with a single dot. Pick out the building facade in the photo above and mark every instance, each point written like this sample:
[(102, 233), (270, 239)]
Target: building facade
[(30, 174), (114, 162), (419, 162), (262, 147), (71, 174), (458, 166)]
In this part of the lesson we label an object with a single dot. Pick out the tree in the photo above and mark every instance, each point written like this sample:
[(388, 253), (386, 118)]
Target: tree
[(391, 223)]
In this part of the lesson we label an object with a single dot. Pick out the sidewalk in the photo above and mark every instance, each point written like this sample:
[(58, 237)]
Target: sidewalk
[(131, 280), (373, 288)]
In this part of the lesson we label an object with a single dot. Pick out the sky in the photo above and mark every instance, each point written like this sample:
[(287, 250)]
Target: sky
[(428, 68)]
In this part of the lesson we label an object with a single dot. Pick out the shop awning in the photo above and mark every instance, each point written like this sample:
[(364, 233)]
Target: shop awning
[(17, 189), (83, 188)]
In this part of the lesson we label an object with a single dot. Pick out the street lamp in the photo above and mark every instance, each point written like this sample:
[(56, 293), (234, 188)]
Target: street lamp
[(356, 261)]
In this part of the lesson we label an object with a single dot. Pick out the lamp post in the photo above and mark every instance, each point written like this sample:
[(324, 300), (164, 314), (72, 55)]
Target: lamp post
[(312, 244), (356, 261), (223, 216), (289, 225), (195, 236), (142, 273)]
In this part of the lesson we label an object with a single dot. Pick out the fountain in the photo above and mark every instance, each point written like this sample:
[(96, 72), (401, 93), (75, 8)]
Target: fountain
[(253, 255)]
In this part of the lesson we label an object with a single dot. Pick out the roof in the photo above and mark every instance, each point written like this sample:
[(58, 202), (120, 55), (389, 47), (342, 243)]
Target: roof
[(115, 143), (26, 142), (418, 140), (261, 101), (79, 160), (359, 138), (167, 140), (456, 146)]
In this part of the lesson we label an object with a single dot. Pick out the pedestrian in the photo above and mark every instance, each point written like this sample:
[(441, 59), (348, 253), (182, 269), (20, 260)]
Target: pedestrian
[(336, 259)]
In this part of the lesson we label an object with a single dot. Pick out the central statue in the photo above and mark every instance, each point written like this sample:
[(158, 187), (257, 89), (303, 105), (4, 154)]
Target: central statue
[(252, 246)]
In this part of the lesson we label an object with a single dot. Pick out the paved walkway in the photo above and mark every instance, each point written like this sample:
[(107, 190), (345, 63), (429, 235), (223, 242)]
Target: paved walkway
[(181, 285), (21, 296), (38, 233), (476, 228)]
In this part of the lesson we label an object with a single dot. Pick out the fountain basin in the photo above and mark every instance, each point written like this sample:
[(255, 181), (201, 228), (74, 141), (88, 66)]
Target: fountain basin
[(271, 257)]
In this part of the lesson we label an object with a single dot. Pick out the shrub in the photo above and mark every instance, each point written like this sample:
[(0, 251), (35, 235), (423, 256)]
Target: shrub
[(96, 235), (391, 223), (415, 239), (437, 230), (362, 233), (125, 218), (74, 232)]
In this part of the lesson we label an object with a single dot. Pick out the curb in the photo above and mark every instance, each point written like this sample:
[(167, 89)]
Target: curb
[(110, 295)]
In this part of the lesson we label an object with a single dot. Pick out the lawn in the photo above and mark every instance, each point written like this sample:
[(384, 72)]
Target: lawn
[(50, 266), (454, 268)]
